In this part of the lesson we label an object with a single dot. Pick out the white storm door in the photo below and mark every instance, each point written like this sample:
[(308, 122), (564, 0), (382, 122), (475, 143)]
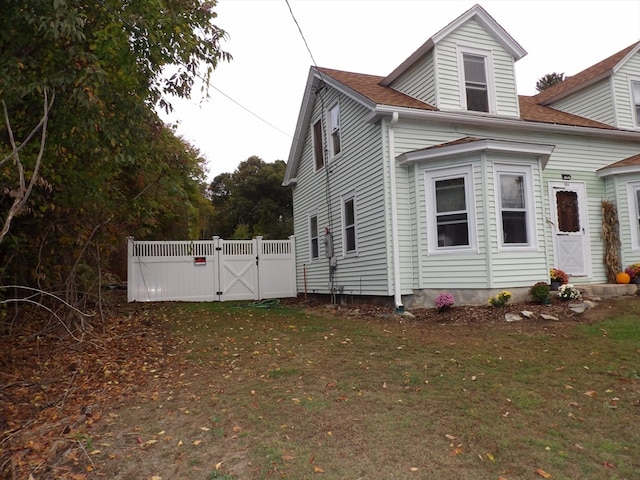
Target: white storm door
[(570, 233)]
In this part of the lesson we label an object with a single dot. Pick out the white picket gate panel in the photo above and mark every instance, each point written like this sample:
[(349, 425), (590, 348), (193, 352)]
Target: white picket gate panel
[(211, 270)]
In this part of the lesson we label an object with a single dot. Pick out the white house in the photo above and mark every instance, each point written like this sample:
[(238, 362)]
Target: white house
[(439, 177)]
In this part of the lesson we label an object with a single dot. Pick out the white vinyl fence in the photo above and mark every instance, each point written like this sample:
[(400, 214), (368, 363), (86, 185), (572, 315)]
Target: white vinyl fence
[(211, 270)]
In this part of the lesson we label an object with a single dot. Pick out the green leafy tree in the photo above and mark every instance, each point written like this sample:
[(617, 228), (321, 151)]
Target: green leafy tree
[(549, 80), (109, 167), (251, 201)]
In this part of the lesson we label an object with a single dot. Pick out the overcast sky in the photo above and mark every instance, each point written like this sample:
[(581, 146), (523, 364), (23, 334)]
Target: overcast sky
[(267, 75)]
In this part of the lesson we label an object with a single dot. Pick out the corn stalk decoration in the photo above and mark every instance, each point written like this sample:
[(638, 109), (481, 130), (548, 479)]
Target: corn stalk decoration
[(611, 239)]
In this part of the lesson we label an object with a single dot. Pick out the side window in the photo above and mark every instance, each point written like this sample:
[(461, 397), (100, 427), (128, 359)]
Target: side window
[(633, 196), (318, 147), (334, 123), (349, 233), (450, 209), (514, 205), (635, 99), (314, 247)]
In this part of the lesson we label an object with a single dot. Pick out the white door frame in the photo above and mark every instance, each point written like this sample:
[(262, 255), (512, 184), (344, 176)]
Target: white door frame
[(564, 242)]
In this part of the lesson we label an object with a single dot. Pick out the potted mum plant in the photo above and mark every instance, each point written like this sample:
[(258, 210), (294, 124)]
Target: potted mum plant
[(633, 271), (558, 277)]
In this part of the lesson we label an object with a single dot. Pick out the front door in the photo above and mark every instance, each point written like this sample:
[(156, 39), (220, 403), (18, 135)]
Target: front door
[(570, 233)]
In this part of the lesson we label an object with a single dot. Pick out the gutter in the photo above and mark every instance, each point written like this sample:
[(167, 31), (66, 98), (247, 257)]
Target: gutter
[(498, 122), (397, 297)]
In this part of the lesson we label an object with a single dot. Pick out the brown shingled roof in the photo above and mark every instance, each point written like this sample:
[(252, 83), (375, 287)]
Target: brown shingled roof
[(585, 76), (368, 86), (626, 162), (533, 112)]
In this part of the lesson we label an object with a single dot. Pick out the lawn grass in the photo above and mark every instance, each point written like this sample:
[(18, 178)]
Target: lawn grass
[(298, 393)]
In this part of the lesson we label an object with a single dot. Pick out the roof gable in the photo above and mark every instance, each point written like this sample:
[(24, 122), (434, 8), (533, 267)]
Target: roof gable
[(587, 77), (483, 18)]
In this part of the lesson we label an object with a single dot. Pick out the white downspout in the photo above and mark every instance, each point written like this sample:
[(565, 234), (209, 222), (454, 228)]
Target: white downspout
[(394, 216)]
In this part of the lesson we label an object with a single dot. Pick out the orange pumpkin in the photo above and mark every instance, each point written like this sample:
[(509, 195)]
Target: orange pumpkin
[(623, 277)]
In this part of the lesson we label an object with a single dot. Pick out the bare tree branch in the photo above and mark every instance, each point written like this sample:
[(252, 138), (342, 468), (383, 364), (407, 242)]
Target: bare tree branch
[(22, 194)]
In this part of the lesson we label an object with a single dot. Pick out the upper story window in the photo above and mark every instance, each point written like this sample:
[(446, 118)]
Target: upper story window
[(476, 81), (349, 234), (450, 209), (516, 219), (334, 125), (314, 246), (318, 144), (635, 98)]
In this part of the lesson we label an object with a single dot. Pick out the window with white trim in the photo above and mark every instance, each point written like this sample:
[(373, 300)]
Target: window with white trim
[(476, 79), (633, 198), (334, 128), (514, 205), (318, 146), (314, 244), (450, 209), (635, 99), (349, 232)]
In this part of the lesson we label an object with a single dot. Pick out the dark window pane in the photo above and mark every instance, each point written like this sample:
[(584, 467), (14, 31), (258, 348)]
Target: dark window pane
[(514, 227), (512, 191), (450, 195), (350, 233), (453, 230), (568, 212), (317, 144)]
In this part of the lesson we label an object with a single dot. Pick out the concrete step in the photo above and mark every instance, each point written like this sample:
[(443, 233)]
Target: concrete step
[(607, 290)]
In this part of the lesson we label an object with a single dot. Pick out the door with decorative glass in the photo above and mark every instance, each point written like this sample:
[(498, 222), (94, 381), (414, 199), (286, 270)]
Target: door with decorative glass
[(569, 224)]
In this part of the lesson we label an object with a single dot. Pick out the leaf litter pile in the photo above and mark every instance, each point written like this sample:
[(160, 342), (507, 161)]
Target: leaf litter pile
[(186, 391)]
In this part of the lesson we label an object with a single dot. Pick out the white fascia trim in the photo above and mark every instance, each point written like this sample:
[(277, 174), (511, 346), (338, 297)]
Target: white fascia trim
[(483, 18), (497, 122), (539, 150), (607, 172)]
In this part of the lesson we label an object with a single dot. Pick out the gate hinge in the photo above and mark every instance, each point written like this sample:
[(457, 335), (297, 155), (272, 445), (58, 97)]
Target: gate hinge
[(218, 293)]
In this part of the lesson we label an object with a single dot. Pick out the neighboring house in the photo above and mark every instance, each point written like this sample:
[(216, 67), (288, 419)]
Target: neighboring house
[(439, 177)]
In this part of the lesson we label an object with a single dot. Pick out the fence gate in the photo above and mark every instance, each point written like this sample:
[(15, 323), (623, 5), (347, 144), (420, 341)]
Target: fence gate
[(211, 270)]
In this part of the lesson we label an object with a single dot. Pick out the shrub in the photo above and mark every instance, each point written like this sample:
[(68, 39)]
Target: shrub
[(500, 299), (540, 292), (568, 292), (444, 301)]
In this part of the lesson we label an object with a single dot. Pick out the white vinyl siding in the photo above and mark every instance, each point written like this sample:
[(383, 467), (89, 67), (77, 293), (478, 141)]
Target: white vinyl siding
[(501, 71), (622, 78), (594, 102), (418, 81), (355, 169)]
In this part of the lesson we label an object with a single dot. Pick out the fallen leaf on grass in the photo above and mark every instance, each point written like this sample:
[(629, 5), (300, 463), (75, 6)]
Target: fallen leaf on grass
[(591, 393), (608, 465), (450, 437), (542, 473), (456, 451), (150, 442), (491, 457), (317, 469), (196, 442), (413, 469)]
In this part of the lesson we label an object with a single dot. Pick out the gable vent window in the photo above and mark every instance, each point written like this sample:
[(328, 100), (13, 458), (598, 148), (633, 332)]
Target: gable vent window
[(334, 121), (475, 77)]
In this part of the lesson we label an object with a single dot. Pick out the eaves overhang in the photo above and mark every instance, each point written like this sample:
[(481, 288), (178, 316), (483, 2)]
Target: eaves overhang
[(512, 124), (610, 171), (540, 151)]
